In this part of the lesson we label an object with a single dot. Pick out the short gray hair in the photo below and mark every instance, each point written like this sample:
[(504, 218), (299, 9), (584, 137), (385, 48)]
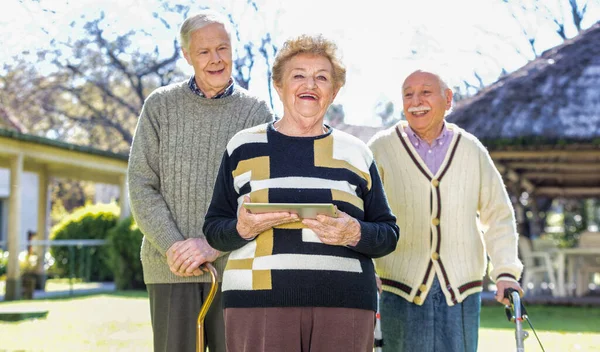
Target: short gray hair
[(198, 20)]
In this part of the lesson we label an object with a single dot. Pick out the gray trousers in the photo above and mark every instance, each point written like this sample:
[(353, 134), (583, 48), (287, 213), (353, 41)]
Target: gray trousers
[(174, 312)]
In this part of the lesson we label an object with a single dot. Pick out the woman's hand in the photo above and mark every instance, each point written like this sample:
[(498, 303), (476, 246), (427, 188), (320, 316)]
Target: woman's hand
[(251, 225), (341, 231)]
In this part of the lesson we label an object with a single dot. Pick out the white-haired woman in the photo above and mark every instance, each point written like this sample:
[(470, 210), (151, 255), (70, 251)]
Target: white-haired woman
[(295, 284)]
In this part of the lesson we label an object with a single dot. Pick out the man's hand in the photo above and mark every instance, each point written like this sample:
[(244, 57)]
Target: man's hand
[(185, 257), (251, 225), (502, 285), (341, 231)]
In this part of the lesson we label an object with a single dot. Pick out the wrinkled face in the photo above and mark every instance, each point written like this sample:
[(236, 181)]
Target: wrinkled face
[(424, 102), (307, 87), (210, 55)]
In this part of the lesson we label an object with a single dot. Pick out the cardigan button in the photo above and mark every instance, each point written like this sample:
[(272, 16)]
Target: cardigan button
[(435, 256), (435, 221), (417, 300), (422, 288), (435, 182)]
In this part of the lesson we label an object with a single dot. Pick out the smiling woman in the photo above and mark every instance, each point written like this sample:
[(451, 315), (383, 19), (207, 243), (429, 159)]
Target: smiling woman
[(292, 282), (306, 93), (307, 77)]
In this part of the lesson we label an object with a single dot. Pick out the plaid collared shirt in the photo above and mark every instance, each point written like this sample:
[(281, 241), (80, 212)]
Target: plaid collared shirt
[(222, 94)]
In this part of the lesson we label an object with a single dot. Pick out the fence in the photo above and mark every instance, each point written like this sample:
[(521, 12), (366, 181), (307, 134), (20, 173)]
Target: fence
[(83, 246)]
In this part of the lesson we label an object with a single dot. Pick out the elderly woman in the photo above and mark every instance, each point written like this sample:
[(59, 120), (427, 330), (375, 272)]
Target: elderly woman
[(295, 284)]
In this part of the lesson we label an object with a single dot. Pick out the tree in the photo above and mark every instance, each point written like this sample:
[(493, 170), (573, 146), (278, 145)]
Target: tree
[(542, 24), (94, 88), (249, 51), (335, 115), (385, 110), (23, 96), (88, 86), (565, 17), (100, 76), (103, 82)]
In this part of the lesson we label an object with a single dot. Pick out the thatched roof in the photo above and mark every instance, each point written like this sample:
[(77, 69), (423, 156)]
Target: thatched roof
[(555, 97), (541, 123)]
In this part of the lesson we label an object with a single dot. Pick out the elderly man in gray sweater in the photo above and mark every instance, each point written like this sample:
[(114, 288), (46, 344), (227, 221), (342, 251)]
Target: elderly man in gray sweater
[(181, 134)]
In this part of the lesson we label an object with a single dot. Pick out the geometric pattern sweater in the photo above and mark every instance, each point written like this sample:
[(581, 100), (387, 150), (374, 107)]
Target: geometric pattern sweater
[(449, 220), (288, 266)]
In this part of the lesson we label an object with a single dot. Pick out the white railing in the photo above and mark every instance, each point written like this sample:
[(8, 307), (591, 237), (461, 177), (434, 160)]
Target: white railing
[(81, 243), (71, 244), (76, 243)]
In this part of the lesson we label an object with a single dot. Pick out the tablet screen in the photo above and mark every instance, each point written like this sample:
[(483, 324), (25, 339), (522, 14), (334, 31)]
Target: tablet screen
[(304, 210)]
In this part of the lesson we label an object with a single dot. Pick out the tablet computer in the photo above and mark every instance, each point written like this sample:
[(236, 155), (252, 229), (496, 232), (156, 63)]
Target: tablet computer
[(304, 210)]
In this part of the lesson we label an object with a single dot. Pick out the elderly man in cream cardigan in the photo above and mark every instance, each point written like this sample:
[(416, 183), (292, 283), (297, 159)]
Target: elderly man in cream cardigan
[(452, 209)]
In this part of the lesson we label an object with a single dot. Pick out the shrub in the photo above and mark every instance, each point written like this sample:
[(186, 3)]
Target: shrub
[(125, 241), (3, 262), (88, 222)]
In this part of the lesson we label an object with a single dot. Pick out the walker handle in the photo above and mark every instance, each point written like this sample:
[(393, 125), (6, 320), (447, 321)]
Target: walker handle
[(515, 300)]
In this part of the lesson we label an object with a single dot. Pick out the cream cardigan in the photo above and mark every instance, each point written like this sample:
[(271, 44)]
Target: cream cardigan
[(440, 233)]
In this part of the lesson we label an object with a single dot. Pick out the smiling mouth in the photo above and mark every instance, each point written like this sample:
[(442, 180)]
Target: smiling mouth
[(216, 72), (418, 111), (307, 96)]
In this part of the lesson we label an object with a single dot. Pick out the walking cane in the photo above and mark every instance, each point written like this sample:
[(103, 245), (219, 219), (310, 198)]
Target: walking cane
[(206, 306)]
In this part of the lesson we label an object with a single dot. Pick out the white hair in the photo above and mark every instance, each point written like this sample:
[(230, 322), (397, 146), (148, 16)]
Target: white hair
[(199, 20), (441, 80)]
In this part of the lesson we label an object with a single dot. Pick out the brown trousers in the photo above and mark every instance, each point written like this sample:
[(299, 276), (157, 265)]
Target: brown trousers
[(174, 311), (299, 329)]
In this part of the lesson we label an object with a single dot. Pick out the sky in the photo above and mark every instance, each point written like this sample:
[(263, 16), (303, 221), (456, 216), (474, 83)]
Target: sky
[(381, 41)]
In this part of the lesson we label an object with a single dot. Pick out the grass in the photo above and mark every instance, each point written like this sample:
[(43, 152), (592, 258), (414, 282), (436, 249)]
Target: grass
[(559, 329), (112, 322), (120, 321)]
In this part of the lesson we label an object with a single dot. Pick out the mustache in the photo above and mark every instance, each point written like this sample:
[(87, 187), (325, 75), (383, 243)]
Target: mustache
[(418, 109)]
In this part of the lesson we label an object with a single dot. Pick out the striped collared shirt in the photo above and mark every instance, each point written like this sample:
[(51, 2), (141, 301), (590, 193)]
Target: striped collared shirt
[(222, 94)]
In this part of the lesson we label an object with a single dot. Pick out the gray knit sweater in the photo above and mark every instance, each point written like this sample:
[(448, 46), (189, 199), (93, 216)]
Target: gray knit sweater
[(175, 156)]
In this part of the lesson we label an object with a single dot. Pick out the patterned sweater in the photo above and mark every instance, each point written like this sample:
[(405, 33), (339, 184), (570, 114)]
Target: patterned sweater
[(174, 159), (437, 215), (288, 266)]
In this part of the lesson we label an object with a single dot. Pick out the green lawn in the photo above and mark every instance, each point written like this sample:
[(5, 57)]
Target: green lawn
[(120, 322), (559, 329), (111, 322)]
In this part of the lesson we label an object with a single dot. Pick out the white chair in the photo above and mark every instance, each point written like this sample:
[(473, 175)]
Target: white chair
[(589, 264), (545, 244), (538, 266), (549, 245)]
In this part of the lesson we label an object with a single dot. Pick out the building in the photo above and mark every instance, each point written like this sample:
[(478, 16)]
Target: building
[(31, 161)]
